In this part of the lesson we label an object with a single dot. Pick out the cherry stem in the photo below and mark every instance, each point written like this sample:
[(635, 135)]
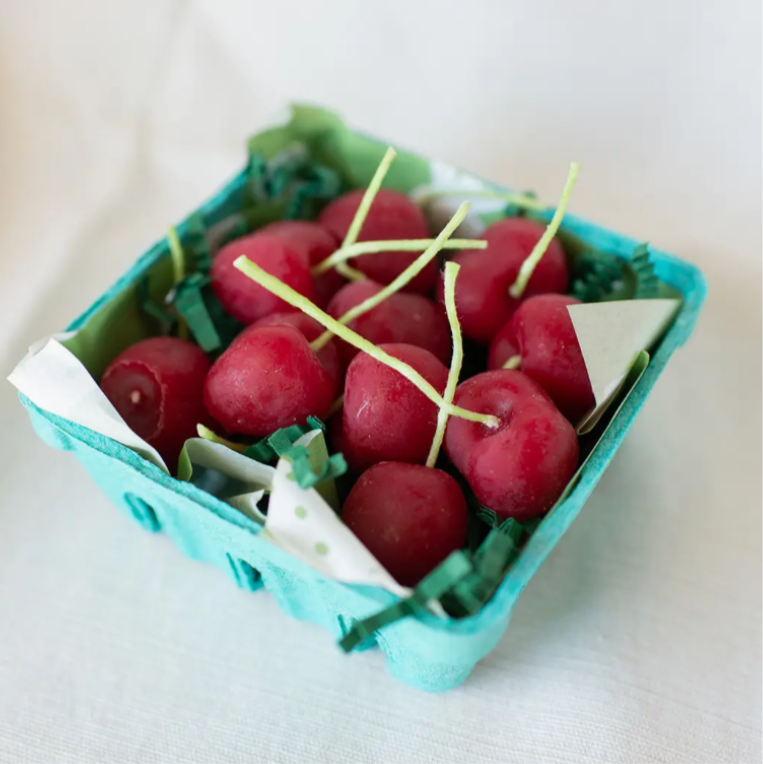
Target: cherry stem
[(402, 279), (287, 294), (513, 363), (392, 245), (207, 434), (517, 289), (362, 212), (451, 271), (178, 272), (521, 200)]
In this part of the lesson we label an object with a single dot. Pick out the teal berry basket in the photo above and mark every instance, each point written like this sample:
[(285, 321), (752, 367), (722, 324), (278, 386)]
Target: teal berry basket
[(422, 650)]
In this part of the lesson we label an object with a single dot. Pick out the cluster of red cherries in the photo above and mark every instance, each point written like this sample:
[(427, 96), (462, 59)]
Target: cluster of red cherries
[(410, 516)]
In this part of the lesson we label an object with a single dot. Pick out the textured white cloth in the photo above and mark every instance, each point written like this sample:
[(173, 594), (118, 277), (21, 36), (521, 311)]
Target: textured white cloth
[(640, 638)]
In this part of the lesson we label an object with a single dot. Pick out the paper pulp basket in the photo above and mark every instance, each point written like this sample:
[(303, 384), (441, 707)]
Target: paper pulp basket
[(423, 651)]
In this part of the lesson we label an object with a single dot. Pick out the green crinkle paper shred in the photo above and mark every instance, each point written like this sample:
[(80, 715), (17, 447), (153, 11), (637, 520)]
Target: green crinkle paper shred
[(282, 443), (600, 276), (432, 587), (596, 276), (517, 210), (198, 244), (194, 299), (292, 172), (647, 286), (319, 183), (190, 304), (490, 562), (463, 583), (149, 306)]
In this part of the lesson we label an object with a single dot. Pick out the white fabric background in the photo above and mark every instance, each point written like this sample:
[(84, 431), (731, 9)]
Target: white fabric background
[(640, 639)]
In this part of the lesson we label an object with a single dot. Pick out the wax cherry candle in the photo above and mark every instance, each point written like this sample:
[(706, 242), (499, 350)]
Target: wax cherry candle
[(540, 339), (385, 417), (268, 378), (408, 516), (156, 385), (241, 297), (520, 468), (328, 355)]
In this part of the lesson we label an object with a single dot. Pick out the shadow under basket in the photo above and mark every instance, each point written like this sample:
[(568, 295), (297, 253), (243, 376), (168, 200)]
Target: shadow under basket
[(424, 651)]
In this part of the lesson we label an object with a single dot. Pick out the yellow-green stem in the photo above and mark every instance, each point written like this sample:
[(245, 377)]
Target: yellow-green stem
[(362, 212), (287, 294), (517, 289), (407, 275), (350, 273), (451, 272), (393, 245), (513, 363)]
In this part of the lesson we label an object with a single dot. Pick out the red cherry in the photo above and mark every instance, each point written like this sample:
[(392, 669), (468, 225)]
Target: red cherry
[(482, 291), (335, 433), (392, 216), (268, 379), (385, 417), (520, 468), (316, 242), (327, 355), (247, 301), (541, 332), (408, 318), (408, 516), (156, 385)]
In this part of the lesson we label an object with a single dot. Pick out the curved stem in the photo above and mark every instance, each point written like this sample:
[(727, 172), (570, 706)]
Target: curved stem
[(409, 273), (287, 294), (451, 271), (362, 212), (517, 289), (393, 245)]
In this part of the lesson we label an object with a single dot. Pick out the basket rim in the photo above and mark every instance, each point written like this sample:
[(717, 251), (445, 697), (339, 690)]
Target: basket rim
[(672, 270)]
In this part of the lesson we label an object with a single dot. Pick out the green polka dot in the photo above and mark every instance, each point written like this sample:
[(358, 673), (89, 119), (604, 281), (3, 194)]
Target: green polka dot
[(321, 548), (290, 476), (300, 512)]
